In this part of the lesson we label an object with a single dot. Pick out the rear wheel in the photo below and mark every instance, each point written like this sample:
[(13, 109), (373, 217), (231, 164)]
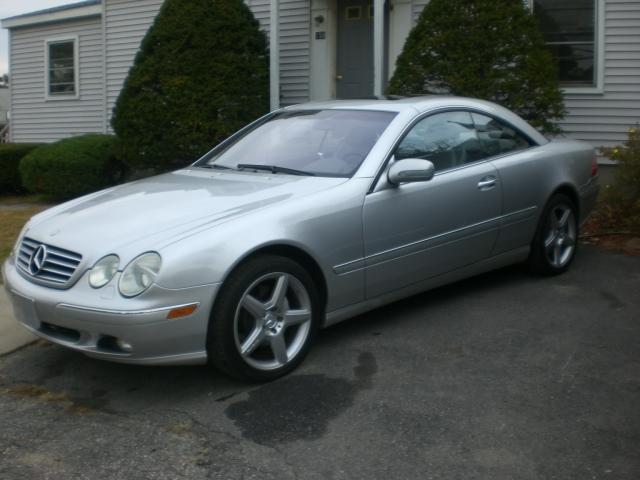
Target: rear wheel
[(554, 245), (264, 320)]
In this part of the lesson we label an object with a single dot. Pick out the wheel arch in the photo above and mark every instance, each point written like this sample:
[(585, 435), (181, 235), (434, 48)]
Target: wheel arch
[(571, 192), (296, 253)]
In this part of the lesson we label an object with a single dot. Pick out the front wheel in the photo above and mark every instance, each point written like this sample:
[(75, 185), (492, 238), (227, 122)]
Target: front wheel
[(264, 320), (554, 245)]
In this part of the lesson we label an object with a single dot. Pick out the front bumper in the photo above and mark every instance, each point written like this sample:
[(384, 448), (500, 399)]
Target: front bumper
[(99, 322)]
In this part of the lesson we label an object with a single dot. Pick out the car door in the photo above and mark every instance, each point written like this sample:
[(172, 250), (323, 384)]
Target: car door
[(419, 230), (521, 175)]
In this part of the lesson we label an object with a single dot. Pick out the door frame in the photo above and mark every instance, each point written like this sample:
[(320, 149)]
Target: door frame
[(323, 51)]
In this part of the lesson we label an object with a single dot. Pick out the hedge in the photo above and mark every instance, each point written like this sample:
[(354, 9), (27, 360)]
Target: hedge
[(72, 167), (10, 156)]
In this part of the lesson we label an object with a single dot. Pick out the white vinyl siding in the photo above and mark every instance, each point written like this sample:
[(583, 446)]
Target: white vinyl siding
[(260, 10), (418, 6), (295, 32), (125, 25), (34, 118), (603, 119), (5, 101)]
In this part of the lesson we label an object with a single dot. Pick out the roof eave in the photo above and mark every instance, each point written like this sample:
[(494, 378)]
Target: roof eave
[(51, 17)]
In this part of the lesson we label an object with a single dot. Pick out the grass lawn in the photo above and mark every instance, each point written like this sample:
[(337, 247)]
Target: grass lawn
[(14, 213)]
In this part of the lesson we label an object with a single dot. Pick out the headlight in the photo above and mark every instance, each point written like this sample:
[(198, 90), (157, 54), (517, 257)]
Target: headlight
[(139, 274), (103, 271)]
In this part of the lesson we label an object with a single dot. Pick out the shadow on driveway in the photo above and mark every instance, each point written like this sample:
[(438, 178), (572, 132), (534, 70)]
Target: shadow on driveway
[(505, 375)]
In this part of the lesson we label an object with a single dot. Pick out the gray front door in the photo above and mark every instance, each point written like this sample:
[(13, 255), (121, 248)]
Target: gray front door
[(355, 49)]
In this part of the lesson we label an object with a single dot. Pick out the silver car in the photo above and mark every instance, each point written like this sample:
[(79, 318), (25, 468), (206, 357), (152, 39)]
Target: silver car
[(308, 216)]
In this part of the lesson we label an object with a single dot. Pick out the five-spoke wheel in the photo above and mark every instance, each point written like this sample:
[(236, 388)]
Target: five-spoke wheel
[(560, 236), (264, 319), (555, 242), (272, 321)]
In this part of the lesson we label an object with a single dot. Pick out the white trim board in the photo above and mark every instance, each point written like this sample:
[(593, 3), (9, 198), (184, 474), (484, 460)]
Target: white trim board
[(69, 14), (76, 68), (598, 88), (274, 54), (599, 53)]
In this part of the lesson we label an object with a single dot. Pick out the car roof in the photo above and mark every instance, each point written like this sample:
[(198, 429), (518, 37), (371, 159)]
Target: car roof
[(385, 103), (424, 104)]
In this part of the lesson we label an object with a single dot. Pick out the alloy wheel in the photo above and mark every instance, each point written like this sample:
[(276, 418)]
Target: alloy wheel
[(560, 235), (272, 321)]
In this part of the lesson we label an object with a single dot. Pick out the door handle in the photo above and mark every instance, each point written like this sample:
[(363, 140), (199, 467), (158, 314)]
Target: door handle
[(338, 77), (487, 183)]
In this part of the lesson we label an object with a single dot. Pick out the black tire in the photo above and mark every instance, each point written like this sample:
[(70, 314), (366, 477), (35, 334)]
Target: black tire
[(223, 342), (541, 260)]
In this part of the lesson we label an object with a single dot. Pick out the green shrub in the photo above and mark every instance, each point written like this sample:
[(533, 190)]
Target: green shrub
[(201, 74), (627, 176), (622, 197), (489, 49), (71, 167), (10, 156)]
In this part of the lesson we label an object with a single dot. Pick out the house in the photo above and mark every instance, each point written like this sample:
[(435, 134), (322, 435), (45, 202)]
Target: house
[(68, 64)]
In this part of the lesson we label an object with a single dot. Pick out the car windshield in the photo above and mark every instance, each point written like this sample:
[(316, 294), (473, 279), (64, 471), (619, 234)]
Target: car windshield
[(314, 142)]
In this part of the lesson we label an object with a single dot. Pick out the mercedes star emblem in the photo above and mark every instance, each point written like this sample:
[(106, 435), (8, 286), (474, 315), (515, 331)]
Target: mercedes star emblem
[(38, 257)]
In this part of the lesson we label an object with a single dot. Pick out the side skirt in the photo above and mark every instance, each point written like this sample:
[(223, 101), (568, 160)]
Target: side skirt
[(492, 263)]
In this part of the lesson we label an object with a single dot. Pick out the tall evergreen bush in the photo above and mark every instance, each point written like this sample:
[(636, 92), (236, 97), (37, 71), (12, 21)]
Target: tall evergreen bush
[(201, 74), (489, 49)]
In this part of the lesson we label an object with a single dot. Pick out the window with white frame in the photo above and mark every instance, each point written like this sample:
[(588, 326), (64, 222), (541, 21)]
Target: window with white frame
[(569, 28), (62, 68)]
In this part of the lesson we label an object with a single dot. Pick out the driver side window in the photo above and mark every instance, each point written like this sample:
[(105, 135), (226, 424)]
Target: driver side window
[(446, 139)]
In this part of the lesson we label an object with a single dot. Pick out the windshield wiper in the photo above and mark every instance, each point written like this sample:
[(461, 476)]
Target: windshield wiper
[(216, 166), (274, 169)]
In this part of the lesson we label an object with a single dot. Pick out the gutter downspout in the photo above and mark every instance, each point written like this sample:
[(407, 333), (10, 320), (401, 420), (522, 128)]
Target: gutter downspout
[(378, 47), (105, 82), (274, 56)]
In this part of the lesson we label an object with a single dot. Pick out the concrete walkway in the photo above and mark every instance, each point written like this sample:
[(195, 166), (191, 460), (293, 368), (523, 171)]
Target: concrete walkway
[(12, 334)]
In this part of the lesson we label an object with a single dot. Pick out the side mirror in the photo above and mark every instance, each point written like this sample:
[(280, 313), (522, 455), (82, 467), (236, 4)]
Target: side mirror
[(410, 170)]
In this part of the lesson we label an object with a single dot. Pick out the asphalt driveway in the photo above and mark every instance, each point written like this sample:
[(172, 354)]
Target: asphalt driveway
[(503, 376)]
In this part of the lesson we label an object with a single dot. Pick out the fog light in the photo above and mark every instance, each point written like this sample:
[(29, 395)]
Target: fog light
[(124, 346)]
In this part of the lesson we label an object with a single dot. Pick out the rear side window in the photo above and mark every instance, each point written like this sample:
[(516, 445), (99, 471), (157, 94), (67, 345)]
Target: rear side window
[(497, 138)]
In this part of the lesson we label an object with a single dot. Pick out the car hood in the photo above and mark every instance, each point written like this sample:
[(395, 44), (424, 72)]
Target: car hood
[(149, 212)]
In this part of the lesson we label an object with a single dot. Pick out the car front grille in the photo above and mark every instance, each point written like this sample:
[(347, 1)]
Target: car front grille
[(46, 262)]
